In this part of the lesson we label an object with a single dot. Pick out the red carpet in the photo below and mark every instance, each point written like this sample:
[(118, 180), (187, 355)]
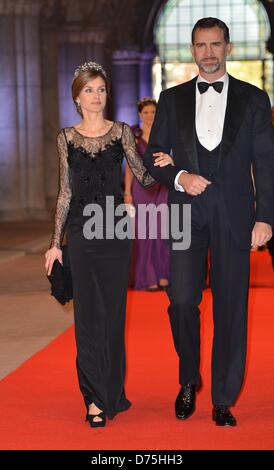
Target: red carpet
[(41, 407), (261, 271)]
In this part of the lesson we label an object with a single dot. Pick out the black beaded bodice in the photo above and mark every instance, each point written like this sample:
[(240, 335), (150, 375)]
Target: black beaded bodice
[(90, 170)]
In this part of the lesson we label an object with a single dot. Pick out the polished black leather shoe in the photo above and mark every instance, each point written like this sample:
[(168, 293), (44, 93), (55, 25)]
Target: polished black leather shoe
[(222, 416), (185, 401)]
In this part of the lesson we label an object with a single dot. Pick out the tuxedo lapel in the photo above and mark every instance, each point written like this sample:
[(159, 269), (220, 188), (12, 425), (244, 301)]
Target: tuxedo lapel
[(185, 103), (237, 100)]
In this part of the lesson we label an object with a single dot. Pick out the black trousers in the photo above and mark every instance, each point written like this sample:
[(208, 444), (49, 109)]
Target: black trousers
[(229, 278), (270, 246)]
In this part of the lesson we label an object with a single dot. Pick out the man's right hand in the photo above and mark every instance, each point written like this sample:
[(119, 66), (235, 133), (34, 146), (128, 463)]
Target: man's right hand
[(193, 184)]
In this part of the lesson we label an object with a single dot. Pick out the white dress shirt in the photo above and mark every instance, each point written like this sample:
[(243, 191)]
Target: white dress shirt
[(209, 117)]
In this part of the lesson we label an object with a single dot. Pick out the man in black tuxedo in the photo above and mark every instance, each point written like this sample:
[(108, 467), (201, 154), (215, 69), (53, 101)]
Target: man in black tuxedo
[(219, 130)]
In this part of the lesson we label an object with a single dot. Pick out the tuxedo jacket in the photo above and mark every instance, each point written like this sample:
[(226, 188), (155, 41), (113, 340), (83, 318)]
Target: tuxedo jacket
[(247, 147)]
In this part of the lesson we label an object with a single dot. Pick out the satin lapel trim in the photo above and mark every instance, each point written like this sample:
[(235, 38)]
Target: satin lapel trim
[(237, 100), (186, 110)]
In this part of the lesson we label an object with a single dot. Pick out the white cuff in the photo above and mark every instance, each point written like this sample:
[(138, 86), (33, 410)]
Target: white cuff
[(177, 185)]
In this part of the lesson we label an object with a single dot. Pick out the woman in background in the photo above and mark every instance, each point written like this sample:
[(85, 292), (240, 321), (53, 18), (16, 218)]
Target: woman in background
[(150, 262)]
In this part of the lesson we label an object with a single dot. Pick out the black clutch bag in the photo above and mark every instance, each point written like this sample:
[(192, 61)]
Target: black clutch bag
[(60, 278)]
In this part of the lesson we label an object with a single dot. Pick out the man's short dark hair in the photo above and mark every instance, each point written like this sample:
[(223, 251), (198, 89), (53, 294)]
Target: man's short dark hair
[(209, 22)]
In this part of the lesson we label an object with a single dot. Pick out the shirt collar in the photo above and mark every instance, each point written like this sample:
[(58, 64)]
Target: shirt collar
[(224, 79)]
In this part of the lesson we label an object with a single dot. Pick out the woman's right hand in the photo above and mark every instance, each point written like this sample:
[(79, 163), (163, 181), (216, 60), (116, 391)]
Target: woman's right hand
[(51, 255)]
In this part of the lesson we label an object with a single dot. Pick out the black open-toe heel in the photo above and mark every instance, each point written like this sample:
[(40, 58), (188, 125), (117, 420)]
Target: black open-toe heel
[(96, 424), (152, 289)]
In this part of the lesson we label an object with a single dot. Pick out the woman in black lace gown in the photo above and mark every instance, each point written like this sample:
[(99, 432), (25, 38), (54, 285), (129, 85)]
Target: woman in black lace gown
[(91, 155)]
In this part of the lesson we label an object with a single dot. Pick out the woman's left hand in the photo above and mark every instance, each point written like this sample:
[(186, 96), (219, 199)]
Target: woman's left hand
[(128, 198), (163, 159)]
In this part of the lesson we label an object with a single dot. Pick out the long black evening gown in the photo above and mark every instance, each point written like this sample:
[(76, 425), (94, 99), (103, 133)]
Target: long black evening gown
[(90, 170)]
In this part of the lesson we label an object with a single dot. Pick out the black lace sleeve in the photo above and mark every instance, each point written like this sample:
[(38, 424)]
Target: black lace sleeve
[(64, 195), (134, 160)]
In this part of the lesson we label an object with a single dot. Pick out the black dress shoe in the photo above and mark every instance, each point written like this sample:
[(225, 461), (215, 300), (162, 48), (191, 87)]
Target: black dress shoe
[(223, 417), (185, 401)]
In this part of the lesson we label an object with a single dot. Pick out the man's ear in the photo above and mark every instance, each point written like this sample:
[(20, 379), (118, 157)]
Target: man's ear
[(229, 48)]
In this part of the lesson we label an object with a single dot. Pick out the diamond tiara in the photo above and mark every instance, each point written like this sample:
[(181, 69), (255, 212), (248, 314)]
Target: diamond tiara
[(89, 66), (146, 99)]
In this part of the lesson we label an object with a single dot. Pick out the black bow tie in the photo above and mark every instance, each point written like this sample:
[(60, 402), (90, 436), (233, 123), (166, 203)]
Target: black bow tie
[(204, 86)]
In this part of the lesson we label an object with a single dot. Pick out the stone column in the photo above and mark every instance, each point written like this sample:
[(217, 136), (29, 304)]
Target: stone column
[(10, 162), (21, 131), (125, 74), (146, 61), (51, 124)]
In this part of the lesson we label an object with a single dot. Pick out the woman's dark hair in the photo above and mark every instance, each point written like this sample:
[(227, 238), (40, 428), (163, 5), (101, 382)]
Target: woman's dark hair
[(209, 22)]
